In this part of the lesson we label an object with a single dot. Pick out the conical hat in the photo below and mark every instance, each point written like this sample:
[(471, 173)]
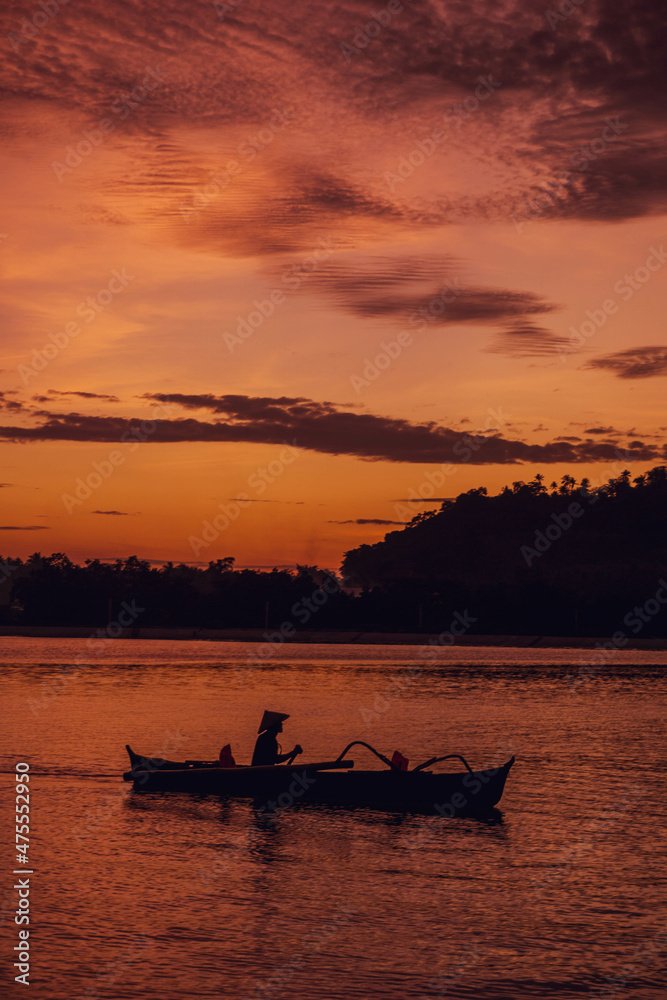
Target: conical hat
[(269, 719)]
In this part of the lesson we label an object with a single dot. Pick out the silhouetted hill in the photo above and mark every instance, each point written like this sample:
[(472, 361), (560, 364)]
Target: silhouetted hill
[(562, 561)]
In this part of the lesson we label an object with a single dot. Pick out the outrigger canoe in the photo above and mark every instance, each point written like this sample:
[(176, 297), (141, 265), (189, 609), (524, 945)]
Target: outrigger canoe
[(418, 789)]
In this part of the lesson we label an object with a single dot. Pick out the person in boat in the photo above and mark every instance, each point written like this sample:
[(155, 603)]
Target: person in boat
[(267, 749)]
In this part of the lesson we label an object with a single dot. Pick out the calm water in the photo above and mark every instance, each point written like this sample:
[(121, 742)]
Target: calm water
[(561, 895)]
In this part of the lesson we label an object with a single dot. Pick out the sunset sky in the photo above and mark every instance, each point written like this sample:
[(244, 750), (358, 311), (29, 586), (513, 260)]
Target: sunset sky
[(216, 216)]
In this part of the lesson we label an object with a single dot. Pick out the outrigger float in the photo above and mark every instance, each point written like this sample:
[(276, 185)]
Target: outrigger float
[(333, 781)]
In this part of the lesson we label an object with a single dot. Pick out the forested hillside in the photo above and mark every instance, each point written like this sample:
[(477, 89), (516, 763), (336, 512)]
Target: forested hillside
[(562, 559)]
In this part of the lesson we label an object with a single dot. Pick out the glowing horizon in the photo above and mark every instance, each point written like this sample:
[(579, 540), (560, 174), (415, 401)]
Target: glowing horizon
[(247, 224)]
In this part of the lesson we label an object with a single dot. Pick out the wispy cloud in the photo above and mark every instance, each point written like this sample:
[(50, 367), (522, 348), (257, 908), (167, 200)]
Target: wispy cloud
[(430, 292), (525, 340), (635, 362)]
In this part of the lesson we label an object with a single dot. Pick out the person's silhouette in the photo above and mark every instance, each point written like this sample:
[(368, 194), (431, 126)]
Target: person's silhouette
[(267, 750)]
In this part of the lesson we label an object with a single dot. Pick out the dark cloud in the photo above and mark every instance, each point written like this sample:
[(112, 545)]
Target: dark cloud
[(603, 61), (299, 422), (256, 500), (428, 292), (332, 194), (636, 362), (610, 49), (559, 81), (13, 405), (419, 289), (75, 392), (115, 513), (601, 430), (294, 215), (418, 500), (625, 183), (368, 520), (24, 527), (525, 340), (471, 305), (360, 284)]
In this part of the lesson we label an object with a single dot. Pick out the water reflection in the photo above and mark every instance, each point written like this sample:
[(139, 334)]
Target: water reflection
[(555, 895)]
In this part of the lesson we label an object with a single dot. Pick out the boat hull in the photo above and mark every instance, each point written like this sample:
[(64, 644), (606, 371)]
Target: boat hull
[(280, 786)]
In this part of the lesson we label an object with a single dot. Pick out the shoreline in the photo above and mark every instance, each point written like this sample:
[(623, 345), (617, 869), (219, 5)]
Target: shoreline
[(327, 638)]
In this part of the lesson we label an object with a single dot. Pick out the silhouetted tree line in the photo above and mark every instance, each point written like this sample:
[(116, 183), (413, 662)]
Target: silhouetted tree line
[(570, 559), (52, 590)]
